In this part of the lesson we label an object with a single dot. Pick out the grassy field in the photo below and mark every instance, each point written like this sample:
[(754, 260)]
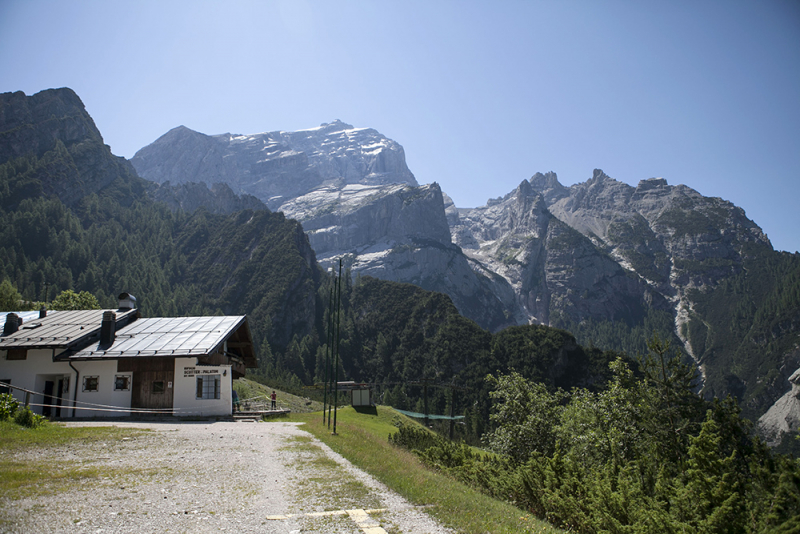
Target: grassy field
[(21, 477), (362, 438)]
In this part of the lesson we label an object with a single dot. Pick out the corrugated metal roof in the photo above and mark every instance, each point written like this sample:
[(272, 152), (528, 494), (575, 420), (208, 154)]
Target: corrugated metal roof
[(179, 336), (59, 329)]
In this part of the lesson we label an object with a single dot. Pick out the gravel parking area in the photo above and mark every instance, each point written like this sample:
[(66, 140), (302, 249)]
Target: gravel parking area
[(212, 477)]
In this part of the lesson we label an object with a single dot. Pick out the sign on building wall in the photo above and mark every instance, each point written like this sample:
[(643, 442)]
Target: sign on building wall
[(189, 372)]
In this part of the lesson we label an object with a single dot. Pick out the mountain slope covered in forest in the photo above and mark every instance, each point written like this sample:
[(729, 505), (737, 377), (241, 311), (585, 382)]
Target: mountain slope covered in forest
[(608, 262)]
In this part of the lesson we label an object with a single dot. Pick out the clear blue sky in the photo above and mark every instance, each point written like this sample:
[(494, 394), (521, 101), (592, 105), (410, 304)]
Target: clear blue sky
[(480, 94)]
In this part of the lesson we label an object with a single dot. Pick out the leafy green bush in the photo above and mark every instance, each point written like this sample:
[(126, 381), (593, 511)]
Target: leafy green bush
[(70, 300), (414, 438), (645, 454), (27, 418), (8, 406)]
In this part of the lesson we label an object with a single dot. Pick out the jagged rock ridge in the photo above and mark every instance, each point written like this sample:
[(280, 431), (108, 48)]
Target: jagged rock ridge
[(672, 237), (276, 166), (553, 269), (189, 196)]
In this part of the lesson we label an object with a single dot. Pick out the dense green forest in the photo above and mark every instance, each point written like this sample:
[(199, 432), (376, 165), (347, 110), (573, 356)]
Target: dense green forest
[(644, 454)]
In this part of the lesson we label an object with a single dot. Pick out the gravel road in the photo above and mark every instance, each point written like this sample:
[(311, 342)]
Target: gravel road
[(212, 477)]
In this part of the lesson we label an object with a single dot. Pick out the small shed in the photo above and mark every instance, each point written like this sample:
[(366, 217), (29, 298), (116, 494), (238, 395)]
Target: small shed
[(361, 397), (360, 393)]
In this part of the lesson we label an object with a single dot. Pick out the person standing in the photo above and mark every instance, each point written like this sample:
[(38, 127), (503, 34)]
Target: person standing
[(235, 400), (273, 397)]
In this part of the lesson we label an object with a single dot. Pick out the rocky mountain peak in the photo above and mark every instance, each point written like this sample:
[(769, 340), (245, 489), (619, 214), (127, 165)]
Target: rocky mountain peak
[(544, 181), (548, 185), (55, 121), (525, 189), (276, 167), (34, 123), (335, 126), (651, 183), (599, 175)]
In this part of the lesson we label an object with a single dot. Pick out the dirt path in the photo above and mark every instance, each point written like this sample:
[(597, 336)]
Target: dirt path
[(213, 477)]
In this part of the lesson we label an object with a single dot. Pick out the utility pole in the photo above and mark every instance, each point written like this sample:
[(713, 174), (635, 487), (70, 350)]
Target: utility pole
[(425, 398), (332, 320), (327, 363), (338, 332)]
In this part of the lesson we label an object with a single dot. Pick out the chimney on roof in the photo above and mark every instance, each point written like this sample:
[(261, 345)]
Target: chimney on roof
[(12, 324), (108, 328), (126, 301), (42, 312)]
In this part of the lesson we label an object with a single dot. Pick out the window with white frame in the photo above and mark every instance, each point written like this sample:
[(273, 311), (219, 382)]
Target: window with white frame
[(208, 387), (91, 383), (122, 383)]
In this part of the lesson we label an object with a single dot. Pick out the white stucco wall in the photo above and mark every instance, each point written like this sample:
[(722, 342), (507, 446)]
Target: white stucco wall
[(39, 367), (31, 374), (185, 398), (105, 402)]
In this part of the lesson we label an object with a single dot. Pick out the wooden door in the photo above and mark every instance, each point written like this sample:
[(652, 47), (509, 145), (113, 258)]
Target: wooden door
[(152, 383), (48, 398), (151, 389)]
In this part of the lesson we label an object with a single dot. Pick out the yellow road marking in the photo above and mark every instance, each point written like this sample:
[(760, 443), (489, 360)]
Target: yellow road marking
[(360, 517)]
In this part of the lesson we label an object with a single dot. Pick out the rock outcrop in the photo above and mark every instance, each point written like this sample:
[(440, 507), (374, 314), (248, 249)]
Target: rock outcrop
[(554, 270), (189, 196), (784, 416), (276, 167), (54, 123)]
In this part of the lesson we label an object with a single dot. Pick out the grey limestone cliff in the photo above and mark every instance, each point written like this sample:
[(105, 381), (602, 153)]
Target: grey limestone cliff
[(189, 196), (276, 167), (397, 233), (556, 272), (670, 236), (783, 417)]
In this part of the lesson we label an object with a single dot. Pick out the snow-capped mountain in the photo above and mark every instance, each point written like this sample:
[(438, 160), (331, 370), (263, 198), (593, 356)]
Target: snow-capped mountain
[(276, 167)]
